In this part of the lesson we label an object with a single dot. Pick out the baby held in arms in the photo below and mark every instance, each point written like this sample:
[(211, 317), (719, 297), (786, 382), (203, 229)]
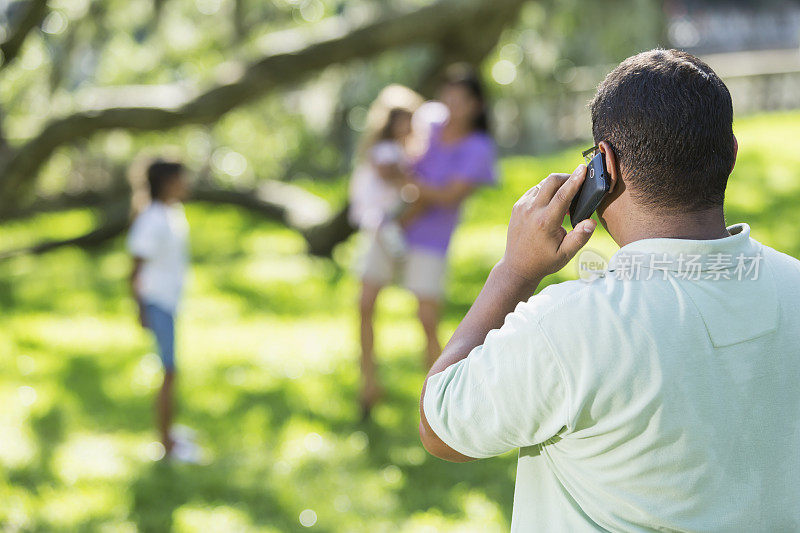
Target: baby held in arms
[(381, 190)]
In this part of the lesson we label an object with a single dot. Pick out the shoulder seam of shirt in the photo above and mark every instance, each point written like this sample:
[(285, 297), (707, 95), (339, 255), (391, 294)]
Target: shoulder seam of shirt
[(564, 298), (550, 348), (554, 354)]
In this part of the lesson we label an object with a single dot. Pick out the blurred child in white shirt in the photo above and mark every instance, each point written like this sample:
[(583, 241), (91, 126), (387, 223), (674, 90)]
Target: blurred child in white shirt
[(158, 242)]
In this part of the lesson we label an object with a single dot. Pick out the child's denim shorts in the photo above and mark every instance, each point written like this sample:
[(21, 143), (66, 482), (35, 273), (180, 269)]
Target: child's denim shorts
[(162, 324)]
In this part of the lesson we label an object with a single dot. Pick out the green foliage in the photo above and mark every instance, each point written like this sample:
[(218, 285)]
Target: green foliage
[(268, 365), (88, 51), (540, 53)]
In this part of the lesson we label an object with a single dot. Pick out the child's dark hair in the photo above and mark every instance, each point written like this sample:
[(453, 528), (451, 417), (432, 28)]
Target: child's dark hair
[(463, 75), (387, 132), (159, 174)]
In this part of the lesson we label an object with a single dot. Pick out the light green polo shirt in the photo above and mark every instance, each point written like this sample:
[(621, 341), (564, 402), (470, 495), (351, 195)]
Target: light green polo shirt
[(663, 395)]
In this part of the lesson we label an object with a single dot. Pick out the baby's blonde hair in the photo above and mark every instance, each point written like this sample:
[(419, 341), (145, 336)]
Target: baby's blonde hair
[(390, 100)]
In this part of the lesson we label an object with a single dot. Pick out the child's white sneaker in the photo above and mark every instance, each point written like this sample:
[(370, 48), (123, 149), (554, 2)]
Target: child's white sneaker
[(184, 448)]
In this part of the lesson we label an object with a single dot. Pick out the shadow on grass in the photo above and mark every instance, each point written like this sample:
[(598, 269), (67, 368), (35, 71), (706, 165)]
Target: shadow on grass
[(83, 379), (49, 431), (163, 487)]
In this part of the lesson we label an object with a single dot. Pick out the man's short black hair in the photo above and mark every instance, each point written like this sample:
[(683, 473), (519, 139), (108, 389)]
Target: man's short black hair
[(159, 173), (669, 119)]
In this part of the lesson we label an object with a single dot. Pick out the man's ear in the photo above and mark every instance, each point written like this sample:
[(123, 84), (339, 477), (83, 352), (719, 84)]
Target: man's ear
[(735, 151), (611, 164)]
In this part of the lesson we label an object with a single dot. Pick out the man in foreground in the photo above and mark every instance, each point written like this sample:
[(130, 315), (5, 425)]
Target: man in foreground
[(663, 394)]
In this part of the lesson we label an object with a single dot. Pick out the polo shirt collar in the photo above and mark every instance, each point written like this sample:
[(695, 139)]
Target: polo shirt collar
[(723, 279), (672, 254)]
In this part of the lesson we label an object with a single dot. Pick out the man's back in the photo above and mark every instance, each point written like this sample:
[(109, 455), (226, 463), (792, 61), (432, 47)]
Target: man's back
[(658, 397), (683, 405), (662, 396)]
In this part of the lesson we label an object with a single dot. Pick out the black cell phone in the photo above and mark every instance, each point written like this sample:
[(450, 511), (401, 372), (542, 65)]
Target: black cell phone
[(594, 188)]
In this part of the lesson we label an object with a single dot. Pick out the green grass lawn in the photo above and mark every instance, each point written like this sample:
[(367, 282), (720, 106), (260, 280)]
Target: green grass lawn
[(268, 365)]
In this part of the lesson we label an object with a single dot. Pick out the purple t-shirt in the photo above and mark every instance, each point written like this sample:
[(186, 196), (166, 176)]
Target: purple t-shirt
[(472, 159)]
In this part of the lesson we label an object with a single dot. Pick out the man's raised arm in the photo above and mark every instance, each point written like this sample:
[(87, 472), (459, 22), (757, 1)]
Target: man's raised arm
[(537, 245)]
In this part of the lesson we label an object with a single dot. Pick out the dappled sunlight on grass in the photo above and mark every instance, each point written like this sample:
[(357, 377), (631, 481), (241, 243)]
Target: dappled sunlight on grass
[(268, 372)]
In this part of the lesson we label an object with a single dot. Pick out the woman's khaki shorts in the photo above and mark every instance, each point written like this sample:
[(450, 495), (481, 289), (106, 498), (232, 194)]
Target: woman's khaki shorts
[(420, 271)]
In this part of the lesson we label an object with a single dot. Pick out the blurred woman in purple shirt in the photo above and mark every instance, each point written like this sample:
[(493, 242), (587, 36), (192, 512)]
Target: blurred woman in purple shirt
[(458, 157)]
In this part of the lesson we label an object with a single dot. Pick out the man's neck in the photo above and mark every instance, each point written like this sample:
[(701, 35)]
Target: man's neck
[(697, 225)]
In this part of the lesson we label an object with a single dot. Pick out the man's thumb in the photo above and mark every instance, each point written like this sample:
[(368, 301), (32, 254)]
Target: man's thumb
[(577, 238)]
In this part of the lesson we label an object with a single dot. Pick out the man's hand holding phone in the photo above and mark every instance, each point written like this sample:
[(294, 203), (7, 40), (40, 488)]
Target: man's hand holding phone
[(537, 243)]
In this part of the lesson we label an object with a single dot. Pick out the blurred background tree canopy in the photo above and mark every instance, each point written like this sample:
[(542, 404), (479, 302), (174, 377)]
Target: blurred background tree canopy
[(265, 100), (257, 97)]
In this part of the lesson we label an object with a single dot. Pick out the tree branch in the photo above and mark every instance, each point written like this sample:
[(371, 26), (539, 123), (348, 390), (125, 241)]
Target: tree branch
[(115, 225), (296, 208), (290, 205), (35, 11), (65, 202), (240, 26), (335, 43), (323, 238)]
